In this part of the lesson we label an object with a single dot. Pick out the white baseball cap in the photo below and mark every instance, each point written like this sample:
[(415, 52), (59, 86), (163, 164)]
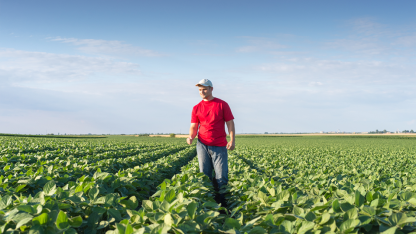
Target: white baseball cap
[(205, 82)]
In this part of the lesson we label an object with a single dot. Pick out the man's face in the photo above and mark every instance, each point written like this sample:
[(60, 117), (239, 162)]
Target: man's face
[(204, 91)]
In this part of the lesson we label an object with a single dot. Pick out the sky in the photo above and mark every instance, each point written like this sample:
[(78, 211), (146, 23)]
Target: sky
[(113, 67)]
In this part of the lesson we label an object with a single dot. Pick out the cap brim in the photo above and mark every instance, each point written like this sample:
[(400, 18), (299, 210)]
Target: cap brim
[(202, 85)]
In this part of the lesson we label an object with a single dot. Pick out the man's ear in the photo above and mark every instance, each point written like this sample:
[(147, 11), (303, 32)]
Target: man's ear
[(212, 88)]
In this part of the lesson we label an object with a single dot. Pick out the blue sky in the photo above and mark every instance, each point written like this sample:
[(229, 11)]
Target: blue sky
[(130, 66)]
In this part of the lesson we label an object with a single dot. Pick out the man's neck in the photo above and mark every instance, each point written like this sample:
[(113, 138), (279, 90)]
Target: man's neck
[(210, 98)]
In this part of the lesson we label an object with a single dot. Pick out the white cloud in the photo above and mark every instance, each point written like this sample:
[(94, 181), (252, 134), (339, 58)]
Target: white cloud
[(19, 67), (409, 41), (315, 83), (368, 27), (366, 46), (105, 47), (368, 38), (300, 70)]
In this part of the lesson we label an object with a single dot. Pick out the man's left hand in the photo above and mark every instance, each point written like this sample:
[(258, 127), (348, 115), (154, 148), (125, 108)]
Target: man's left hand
[(231, 145)]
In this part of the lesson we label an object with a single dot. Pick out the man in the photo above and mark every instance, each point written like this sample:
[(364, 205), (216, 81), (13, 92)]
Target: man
[(211, 115)]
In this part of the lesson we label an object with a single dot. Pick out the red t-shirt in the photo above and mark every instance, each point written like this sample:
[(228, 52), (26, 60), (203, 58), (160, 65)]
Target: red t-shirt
[(211, 116)]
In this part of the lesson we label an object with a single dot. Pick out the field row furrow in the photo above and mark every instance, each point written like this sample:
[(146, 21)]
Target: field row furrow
[(14, 146), (88, 204), (34, 176), (58, 161), (299, 192), (78, 153)]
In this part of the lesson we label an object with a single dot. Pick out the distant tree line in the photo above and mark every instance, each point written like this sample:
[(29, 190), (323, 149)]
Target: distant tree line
[(385, 131)]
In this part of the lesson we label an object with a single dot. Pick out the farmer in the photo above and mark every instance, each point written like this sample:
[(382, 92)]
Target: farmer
[(211, 115)]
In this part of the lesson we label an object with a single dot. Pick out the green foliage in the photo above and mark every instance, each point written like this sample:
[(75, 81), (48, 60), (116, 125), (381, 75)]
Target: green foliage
[(324, 185), (276, 185), (58, 186)]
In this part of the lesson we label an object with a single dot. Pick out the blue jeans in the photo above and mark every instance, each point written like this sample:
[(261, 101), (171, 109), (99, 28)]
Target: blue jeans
[(213, 158)]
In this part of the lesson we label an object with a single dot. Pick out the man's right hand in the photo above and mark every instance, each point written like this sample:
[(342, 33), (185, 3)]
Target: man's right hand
[(189, 140)]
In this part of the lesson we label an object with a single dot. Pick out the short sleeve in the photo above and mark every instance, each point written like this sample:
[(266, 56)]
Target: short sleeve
[(228, 115), (194, 118)]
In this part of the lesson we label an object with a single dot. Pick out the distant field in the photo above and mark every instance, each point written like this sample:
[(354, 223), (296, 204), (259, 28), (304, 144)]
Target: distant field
[(278, 184), (53, 136)]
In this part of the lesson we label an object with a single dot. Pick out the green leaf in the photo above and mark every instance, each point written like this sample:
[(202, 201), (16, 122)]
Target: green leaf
[(211, 205), (257, 230), (27, 208), (148, 205), (287, 226), (284, 195), (93, 193), (191, 208), (271, 191), (298, 211), (391, 230), (310, 216), (131, 203), (349, 225), (406, 196), (36, 229), (369, 210), (70, 231), (163, 186), (41, 219), (336, 206), (164, 206), (410, 220), (232, 223), (325, 218), (23, 219), (351, 214), (20, 216), (115, 214), (306, 226), (369, 196), (170, 195), (359, 199), (375, 203), (168, 219), (62, 220), (346, 206), (121, 228), (49, 188), (5, 202), (129, 229), (400, 219), (20, 187), (75, 221), (263, 197), (253, 221)]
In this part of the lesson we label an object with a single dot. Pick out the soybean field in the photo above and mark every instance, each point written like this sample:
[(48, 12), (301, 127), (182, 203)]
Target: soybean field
[(305, 184)]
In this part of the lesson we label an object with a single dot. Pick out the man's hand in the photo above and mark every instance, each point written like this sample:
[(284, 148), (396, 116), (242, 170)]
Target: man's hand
[(189, 140), (231, 145)]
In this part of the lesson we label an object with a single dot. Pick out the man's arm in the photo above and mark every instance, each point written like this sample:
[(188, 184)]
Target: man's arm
[(193, 130), (231, 131)]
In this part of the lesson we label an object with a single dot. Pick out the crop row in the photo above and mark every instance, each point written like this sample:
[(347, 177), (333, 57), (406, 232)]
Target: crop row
[(34, 161), (263, 199), (30, 178), (183, 204), (48, 157), (310, 193), (11, 146), (15, 153), (89, 203)]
